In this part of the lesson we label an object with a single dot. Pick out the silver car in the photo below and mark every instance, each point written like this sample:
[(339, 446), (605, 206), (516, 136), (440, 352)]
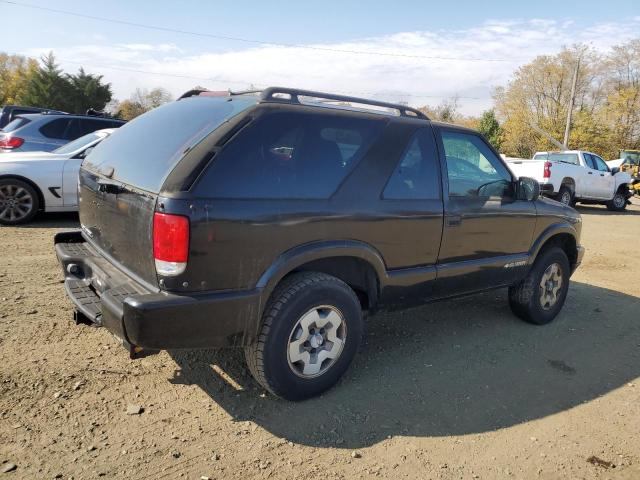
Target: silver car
[(46, 132)]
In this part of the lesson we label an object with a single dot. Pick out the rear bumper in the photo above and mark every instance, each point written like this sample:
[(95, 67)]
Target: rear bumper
[(148, 319), (547, 189)]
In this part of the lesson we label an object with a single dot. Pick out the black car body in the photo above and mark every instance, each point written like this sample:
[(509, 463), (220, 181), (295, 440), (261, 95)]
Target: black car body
[(400, 209)]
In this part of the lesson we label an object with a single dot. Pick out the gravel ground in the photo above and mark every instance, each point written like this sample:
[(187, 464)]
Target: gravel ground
[(456, 389)]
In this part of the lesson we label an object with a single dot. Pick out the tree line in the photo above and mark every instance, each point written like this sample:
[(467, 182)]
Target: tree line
[(529, 110), (534, 104), (25, 81)]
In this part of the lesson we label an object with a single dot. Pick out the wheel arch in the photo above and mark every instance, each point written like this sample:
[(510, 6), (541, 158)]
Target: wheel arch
[(28, 181), (356, 263), (563, 236), (569, 182)]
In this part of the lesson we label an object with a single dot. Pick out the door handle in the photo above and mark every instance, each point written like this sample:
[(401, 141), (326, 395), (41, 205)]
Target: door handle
[(590, 173), (454, 221), (602, 174)]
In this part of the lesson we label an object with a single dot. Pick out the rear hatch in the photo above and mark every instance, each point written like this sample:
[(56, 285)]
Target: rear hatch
[(121, 179)]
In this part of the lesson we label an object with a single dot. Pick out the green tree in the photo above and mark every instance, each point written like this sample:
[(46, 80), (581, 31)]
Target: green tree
[(48, 87), (88, 91), (491, 129)]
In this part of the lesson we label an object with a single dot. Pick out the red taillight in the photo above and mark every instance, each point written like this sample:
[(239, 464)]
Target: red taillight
[(11, 142), (170, 243), (547, 170)]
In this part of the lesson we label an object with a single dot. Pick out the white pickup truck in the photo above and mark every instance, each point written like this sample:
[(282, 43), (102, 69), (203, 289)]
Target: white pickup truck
[(574, 176)]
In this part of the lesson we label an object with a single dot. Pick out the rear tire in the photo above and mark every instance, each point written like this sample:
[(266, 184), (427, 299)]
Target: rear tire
[(19, 202), (311, 330), (538, 298), (565, 195), (618, 203)]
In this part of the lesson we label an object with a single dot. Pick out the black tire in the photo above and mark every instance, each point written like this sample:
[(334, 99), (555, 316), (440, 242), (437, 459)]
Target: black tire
[(565, 195), (525, 297), (618, 203), (17, 192), (268, 357)]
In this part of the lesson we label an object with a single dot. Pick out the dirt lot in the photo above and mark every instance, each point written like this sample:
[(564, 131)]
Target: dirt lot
[(457, 389)]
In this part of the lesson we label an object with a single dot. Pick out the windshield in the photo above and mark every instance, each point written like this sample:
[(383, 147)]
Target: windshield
[(143, 152), (80, 143)]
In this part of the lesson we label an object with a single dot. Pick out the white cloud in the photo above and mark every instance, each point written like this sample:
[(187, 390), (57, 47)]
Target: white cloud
[(418, 81)]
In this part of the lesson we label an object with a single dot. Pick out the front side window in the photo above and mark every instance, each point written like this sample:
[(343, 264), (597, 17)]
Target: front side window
[(473, 169), (600, 164), (290, 155), (416, 176)]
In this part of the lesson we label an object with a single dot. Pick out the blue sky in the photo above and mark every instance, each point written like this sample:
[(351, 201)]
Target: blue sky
[(129, 57)]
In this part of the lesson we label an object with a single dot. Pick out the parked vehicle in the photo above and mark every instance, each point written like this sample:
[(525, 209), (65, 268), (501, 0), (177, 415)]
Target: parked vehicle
[(43, 181), (46, 132), (272, 221), (576, 176), (9, 112)]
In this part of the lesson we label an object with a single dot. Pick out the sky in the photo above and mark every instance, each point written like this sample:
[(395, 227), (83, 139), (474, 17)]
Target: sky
[(419, 52)]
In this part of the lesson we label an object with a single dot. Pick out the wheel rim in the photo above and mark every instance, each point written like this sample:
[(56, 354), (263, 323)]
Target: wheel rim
[(566, 198), (550, 286), (15, 202), (316, 341), (618, 201)]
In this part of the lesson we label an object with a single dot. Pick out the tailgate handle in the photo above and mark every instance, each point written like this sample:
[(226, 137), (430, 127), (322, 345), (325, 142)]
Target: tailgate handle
[(109, 187)]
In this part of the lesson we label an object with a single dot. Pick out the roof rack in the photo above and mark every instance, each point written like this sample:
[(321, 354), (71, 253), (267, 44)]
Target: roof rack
[(275, 94), (292, 95)]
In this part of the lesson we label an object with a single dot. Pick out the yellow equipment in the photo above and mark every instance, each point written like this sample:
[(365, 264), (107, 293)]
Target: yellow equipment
[(631, 165)]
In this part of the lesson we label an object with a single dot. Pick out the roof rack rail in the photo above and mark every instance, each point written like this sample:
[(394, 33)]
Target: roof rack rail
[(269, 95)]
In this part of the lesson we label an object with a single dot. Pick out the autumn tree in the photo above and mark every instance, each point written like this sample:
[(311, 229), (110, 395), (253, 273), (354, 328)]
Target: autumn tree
[(15, 72), (141, 101)]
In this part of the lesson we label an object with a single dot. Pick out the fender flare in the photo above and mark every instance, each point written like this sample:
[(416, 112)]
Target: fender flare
[(550, 231), (292, 259)]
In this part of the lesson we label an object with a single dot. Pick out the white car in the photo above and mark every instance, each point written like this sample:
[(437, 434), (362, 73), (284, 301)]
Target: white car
[(43, 181), (574, 176)]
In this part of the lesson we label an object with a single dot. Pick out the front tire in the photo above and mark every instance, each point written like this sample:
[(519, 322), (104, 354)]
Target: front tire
[(540, 296), (19, 202), (618, 203), (311, 330)]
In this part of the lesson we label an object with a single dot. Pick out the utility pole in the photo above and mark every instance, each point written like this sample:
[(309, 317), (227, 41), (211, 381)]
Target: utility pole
[(571, 100)]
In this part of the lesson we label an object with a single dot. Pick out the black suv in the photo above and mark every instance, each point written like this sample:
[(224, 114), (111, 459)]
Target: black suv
[(272, 220)]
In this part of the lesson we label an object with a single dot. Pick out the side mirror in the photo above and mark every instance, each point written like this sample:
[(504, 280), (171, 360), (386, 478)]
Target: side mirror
[(528, 189), (615, 170)]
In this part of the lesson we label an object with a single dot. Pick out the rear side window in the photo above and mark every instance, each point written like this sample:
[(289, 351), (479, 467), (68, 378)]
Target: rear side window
[(56, 128), (290, 155), (89, 125), (588, 158), (144, 151), (416, 176), (15, 124)]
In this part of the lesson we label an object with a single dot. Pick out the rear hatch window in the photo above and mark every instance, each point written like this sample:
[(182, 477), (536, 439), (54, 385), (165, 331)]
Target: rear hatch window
[(15, 124), (144, 151)]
